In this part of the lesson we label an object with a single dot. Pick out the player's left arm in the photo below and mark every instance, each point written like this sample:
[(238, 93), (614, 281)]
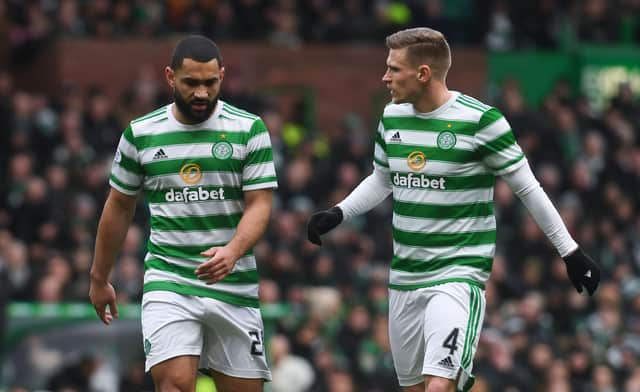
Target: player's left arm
[(582, 270), (250, 228), (498, 149)]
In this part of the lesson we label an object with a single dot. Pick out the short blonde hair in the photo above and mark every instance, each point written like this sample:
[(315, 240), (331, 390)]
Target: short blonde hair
[(424, 46)]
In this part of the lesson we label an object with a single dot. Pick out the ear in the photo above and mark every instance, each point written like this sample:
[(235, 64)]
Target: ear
[(171, 76), (424, 73), (221, 74)]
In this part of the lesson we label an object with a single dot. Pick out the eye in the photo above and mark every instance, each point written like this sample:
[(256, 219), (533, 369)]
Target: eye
[(210, 82), (191, 82)]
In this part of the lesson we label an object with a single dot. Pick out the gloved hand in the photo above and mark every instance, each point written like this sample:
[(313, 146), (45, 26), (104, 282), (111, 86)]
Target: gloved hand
[(322, 222), (582, 271)]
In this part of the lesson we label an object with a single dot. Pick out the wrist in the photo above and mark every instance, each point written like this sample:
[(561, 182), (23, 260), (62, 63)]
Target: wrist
[(571, 254), (236, 249), (338, 211), (98, 278), (572, 251)]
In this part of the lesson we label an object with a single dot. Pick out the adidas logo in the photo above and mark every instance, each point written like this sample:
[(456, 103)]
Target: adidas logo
[(447, 362), (160, 155), (395, 137)]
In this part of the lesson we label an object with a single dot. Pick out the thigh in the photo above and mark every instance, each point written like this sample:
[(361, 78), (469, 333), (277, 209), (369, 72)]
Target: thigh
[(170, 327), (233, 341), (406, 324), (414, 388), (225, 383), (453, 319)]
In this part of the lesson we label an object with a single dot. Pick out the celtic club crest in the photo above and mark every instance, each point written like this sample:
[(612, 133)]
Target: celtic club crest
[(222, 150), (446, 140)]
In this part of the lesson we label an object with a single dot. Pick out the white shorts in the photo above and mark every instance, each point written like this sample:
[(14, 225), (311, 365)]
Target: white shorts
[(227, 338), (435, 331)]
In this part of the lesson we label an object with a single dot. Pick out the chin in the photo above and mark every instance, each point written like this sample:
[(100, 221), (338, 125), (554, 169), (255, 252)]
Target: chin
[(199, 117)]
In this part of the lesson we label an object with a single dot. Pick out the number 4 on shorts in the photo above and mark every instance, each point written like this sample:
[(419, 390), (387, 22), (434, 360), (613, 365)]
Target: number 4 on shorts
[(451, 342)]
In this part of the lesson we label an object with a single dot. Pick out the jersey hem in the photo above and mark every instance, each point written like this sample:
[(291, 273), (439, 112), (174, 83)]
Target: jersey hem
[(514, 166), (410, 381), (178, 288), (450, 374), (265, 185), (241, 373), (122, 190), (187, 351), (408, 287)]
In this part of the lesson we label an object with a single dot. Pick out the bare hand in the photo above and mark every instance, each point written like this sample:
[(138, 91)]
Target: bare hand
[(220, 264), (101, 295)]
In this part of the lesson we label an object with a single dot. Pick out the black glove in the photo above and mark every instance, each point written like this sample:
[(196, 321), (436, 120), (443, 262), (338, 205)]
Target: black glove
[(582, 271), (321, 222)]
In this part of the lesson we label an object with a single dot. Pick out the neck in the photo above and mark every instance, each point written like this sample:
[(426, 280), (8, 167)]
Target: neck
[(436, 95)]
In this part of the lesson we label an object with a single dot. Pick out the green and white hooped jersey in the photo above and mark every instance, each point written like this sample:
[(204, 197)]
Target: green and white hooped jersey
[(194, 177), (442, 167)]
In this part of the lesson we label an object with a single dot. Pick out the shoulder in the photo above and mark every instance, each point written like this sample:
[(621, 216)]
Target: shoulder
[(149, 122), (472, 109), (240, 120), (234, 113)]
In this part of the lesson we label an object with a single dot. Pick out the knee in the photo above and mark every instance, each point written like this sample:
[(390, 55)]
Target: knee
[(439, 384)]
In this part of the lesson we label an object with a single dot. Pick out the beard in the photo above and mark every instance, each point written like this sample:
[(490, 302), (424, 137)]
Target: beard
[(193, 115)]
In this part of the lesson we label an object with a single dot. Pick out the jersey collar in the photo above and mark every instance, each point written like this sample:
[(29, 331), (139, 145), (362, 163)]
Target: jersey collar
[(445, 106), (214, 115)]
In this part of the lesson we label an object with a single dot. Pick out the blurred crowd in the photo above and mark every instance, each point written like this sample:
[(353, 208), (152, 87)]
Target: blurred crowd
[(501, 25), (326, 308)]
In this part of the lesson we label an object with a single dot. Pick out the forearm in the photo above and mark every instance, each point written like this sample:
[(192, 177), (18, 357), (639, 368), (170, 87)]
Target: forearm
[(253, 223), (112, 229), (368, 194), (526, 187)]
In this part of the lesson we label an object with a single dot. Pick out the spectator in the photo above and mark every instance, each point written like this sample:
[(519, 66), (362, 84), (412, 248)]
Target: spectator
[(546, 24), (290, 373), (74, 377), (597, 22)]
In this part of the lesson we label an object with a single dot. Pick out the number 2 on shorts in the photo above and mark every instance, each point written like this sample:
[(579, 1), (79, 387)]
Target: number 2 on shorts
[(256, 343)]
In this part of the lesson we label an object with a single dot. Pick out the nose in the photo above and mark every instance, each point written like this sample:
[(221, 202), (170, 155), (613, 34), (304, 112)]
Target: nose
[(201, 92), (386, 78)]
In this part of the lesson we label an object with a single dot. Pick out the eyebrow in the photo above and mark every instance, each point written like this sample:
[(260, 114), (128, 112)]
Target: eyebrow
[(213, 79)]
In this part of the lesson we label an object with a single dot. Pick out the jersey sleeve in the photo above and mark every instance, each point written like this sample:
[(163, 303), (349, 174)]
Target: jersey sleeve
[(259, 171), (380, 160), (126, 172), (496, 145)]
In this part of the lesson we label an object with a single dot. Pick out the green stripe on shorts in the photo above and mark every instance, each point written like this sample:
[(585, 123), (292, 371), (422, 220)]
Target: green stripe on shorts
[(475, 305)]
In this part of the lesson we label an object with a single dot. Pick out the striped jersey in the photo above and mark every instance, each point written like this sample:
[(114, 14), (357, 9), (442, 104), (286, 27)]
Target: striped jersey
[(193, 177), (442, 167)]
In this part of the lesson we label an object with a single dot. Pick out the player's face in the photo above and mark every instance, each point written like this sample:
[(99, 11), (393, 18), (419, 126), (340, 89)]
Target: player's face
[(196, 88), (401, 77)]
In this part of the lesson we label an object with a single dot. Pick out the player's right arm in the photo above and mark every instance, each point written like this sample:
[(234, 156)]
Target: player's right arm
[(368, 194), (126, 181), (114, 223)]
